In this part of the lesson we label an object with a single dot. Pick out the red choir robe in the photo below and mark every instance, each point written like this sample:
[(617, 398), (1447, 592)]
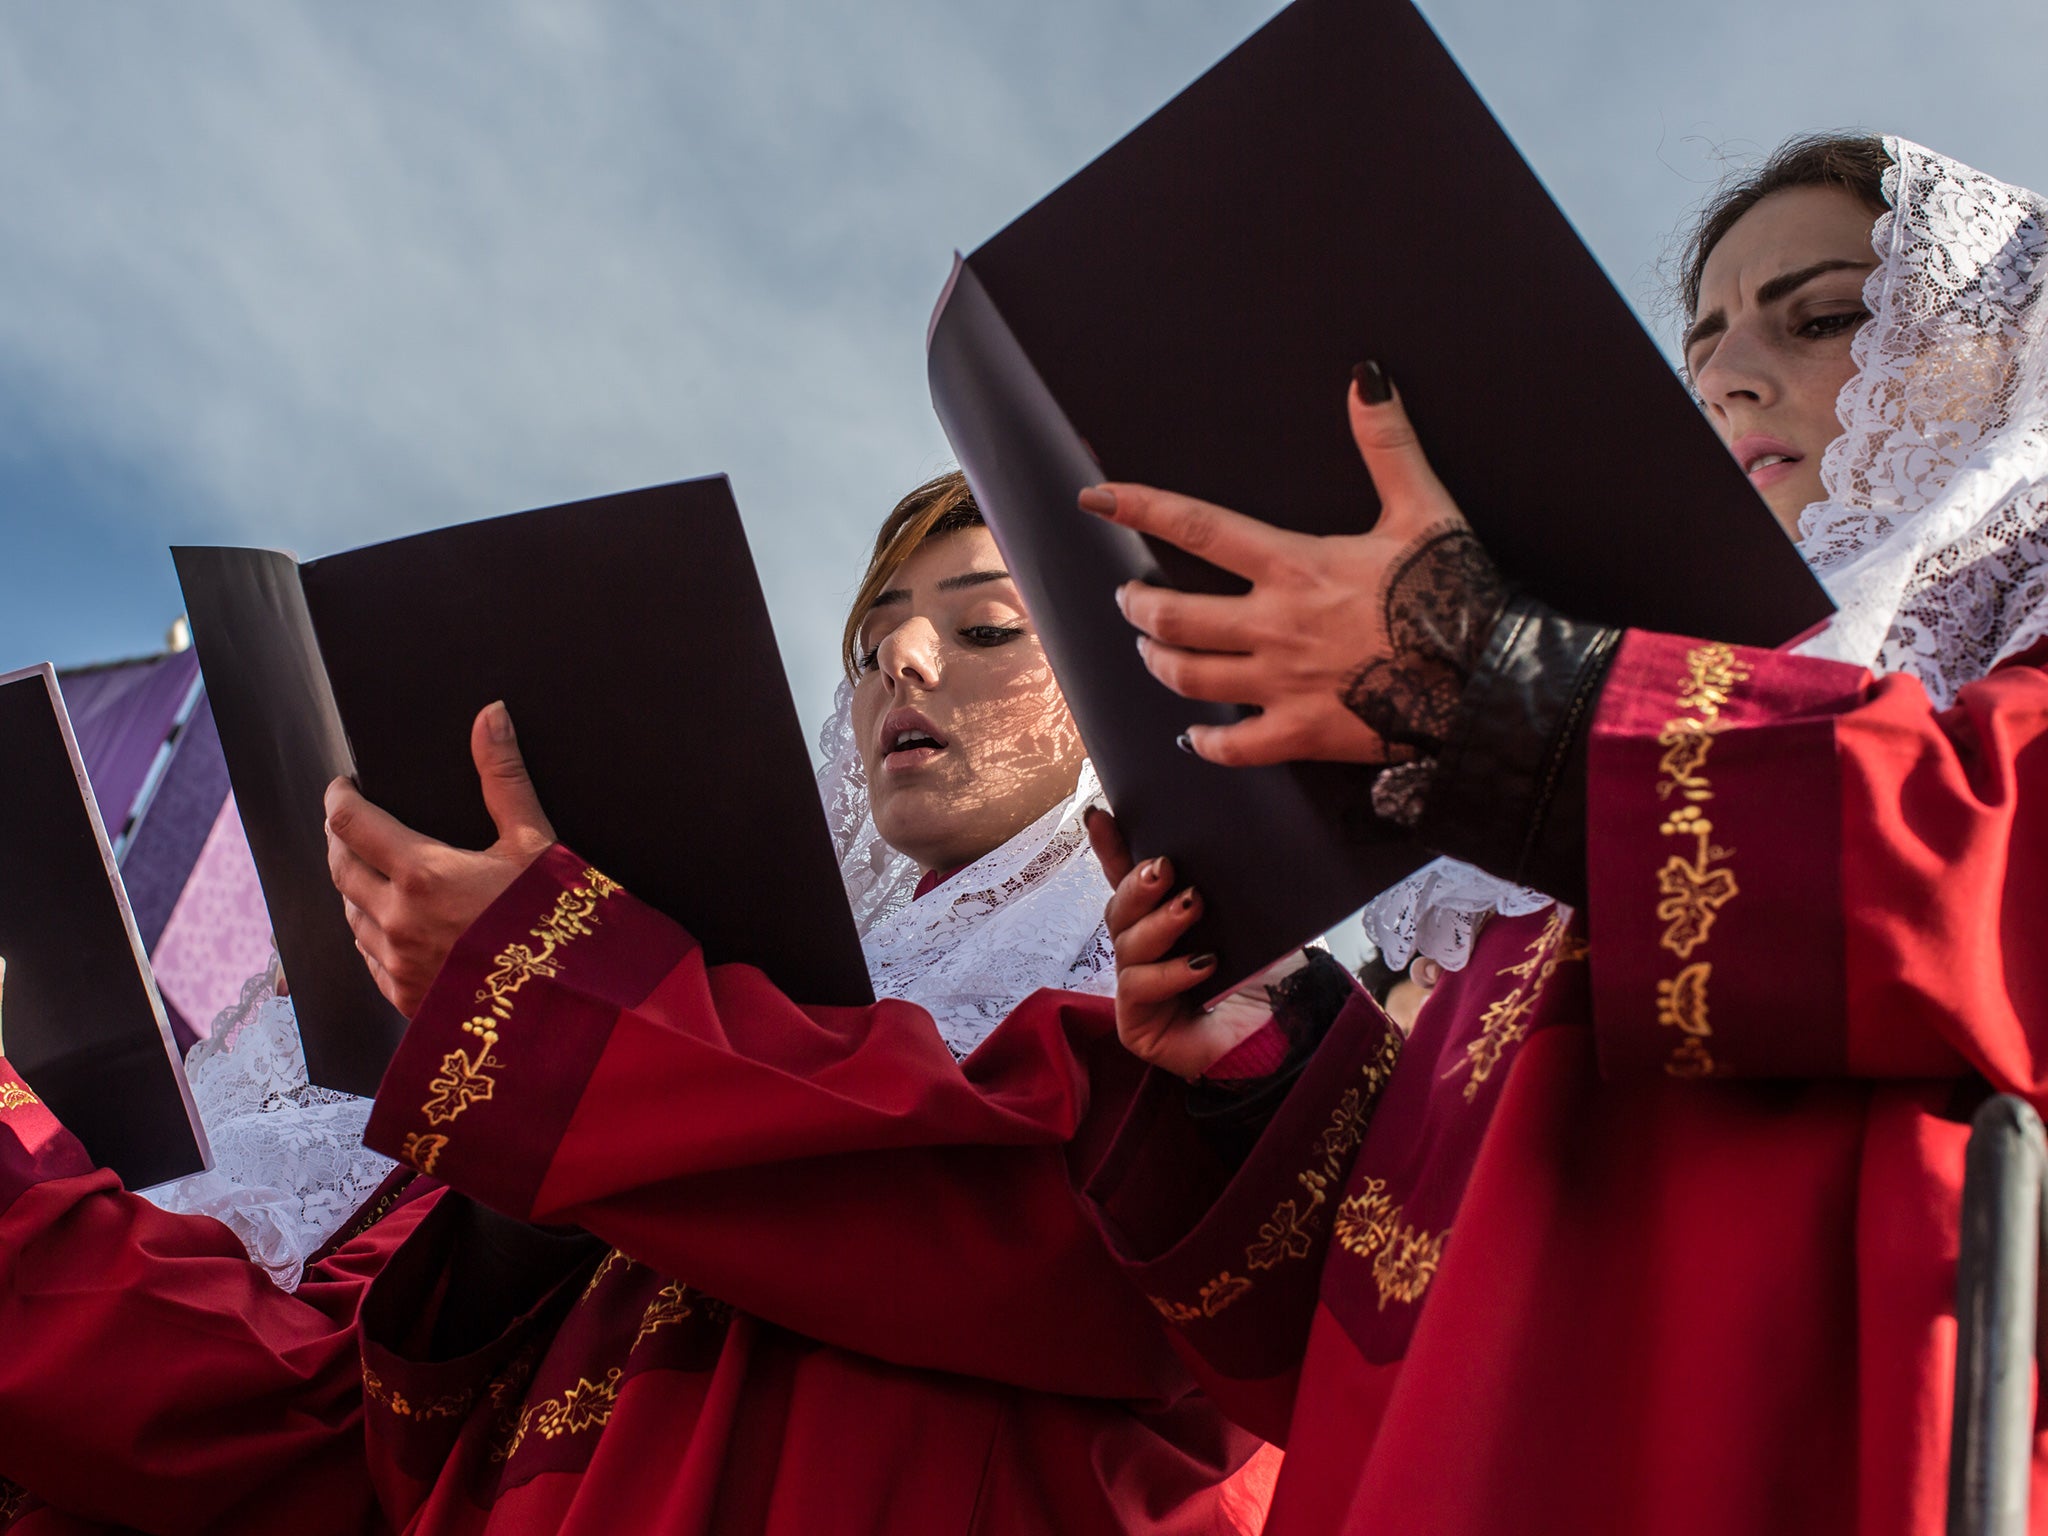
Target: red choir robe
[(836, 1282), (1654, 1226)]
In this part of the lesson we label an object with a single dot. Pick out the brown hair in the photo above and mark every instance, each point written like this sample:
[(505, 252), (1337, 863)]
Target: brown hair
[(943, 504), (1854, 161)]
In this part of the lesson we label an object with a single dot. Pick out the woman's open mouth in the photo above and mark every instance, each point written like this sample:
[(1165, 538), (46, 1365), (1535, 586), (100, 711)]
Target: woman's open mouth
[(1766, 460), (909, 740)]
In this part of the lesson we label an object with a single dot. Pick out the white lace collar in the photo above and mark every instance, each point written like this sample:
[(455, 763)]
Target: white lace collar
[(1028, 915)]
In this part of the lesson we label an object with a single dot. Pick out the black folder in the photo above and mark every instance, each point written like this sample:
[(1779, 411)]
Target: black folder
[(80, 1017), (629, 639), (1186, 312)]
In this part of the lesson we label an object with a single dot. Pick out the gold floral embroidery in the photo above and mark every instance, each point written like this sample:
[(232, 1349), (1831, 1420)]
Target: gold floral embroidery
[(1506, 1020), (14, 1499), (1693, 887), (462, 1082), (604, 1268), (422, 1150), (453, 1405), (1682, 1005), (1370, 1225), (587, 1405), (466, 1079), (671, 1305), (1289, 1233), (16, 1096)]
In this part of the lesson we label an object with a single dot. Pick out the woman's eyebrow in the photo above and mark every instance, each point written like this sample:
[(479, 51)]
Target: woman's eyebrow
[(1788, 283), (1782, 286), (972, 579)]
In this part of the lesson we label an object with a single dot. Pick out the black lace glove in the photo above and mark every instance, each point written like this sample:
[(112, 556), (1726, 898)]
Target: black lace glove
[(1441, 603)]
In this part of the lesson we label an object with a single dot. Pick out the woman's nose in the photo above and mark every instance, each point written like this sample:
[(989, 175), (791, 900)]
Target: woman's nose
[(1741, 370), (910, 654)]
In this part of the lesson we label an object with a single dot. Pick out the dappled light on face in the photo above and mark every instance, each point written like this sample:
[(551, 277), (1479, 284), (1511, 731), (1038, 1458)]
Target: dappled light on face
[(965, 660)]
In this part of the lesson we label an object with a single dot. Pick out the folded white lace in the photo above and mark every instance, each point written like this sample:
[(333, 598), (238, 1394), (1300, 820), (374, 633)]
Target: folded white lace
[(289, 1164)]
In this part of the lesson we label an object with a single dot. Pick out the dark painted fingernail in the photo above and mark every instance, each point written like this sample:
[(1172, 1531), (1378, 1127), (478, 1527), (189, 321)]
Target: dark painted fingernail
[(1374, 388), (1150, 873), (1186, 743), (1187, 900), (1202, 962), (1088, 816), (1097, 500)]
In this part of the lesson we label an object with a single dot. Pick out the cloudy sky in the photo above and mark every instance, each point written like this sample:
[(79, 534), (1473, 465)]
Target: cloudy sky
[(311, 274)]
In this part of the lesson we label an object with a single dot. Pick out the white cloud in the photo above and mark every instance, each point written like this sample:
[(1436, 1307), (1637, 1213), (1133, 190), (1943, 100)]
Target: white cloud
[(320, 274)]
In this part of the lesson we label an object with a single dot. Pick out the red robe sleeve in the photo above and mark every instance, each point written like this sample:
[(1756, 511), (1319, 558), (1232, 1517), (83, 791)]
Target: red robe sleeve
[(1233, 1258), (153, 1376), (1799, 870), (831, 1170)]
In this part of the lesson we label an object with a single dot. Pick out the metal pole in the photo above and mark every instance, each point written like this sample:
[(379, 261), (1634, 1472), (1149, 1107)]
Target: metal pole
[(1997, 1275)]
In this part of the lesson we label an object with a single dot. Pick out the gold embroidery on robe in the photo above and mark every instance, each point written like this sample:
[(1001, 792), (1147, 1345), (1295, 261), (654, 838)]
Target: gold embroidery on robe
[(1404, 1258), (585, 1406), (670, 1305), (422, 1150), (604, 1268), (454, 1405), (1693, 886), (466, 1078), (1506, 1020), (17, 1096), (1289, 1233)]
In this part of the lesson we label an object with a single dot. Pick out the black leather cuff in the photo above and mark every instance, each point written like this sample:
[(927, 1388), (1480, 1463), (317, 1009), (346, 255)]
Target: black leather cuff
[(1510, 787)]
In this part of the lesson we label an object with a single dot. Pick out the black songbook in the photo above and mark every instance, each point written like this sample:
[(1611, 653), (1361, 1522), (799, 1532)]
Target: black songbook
[(80, 1017), (1186, 312), (629, 639)]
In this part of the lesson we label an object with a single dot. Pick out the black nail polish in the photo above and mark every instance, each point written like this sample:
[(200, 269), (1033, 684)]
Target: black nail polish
[(1374, 387), (1202, 963), (1187, 901), (1185, 742)]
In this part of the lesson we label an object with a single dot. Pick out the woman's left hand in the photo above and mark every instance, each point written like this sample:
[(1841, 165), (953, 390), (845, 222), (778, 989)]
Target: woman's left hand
[(409, 898), (1352, 647), (1156, 1018)]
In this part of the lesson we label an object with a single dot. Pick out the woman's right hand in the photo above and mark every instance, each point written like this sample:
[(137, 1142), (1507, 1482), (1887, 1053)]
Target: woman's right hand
[(1156, 1018)]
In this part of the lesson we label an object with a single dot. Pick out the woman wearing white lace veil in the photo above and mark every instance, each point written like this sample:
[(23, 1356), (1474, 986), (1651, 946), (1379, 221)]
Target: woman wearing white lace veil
[(1655, 1225), (1925, 514)]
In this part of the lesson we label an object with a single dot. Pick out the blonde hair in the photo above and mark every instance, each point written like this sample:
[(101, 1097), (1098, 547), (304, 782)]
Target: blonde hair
[(943, 504)]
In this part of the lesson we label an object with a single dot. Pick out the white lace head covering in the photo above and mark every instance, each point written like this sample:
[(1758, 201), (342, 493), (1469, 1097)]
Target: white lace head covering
[(1932, 536), (1026, 916)]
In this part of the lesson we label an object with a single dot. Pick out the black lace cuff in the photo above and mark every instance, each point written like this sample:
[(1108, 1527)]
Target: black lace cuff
[(1231, 1116), (1509, 791)]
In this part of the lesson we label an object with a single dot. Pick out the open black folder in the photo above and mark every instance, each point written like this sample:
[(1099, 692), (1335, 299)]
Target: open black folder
[(1186, 312), (80, 1018), (629, 639)]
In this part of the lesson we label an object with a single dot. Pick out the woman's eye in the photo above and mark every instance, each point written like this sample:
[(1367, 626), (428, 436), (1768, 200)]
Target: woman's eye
[(1821, 327), (870, 659), (990, 635)]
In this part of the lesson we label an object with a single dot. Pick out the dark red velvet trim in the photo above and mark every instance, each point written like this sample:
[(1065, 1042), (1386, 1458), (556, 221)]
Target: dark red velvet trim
[(1241, 1280), (34, 1146), (489, 1074), (1695, 972), (1395, 1215), (932, 879)]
